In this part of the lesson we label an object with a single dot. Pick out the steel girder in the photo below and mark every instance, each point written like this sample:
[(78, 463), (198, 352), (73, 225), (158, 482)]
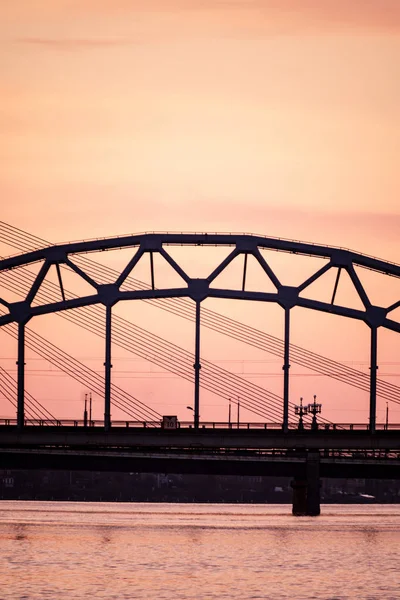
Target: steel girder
[(199, 289)]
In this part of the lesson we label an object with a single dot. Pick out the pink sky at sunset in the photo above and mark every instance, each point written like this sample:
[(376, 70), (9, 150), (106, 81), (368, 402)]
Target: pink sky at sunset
[(275, 117)]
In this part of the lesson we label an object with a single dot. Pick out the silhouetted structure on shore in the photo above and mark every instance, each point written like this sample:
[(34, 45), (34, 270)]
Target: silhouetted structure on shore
[(148, 487)]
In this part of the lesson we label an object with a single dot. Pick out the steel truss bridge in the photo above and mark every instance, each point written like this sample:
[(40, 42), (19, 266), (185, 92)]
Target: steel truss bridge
[(39, 297), (213, 449), (36, 438)]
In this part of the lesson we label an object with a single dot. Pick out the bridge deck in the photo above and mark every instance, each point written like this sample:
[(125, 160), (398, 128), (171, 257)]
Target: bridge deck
[(215, 438), (250, 462)]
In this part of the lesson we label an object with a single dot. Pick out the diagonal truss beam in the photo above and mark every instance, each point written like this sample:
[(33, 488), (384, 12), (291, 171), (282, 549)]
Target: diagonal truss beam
[(234, 329), (226, 388), (199, 289)]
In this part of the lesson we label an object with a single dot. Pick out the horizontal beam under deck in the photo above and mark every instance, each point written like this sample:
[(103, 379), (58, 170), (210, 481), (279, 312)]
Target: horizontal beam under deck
[(196, 463), (70, 437)]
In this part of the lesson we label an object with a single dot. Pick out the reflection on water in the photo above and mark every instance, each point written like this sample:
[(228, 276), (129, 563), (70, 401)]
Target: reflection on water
[(20, 531), (172, 552)]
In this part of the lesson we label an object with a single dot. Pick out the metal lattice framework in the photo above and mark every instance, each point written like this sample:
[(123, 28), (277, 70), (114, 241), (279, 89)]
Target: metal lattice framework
[(198, 289)]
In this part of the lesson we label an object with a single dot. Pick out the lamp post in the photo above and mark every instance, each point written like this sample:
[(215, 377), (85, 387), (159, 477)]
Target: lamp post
[(314, 409), (90, 408), (85, 412), (300, 410), (387, 414), (238, 412), (229, 413), (192, 409)]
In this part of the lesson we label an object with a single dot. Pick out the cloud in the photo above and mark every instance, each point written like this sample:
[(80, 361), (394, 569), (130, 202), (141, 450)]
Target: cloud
[(175, 19), (284, 15), (357, 230), (77, 43)]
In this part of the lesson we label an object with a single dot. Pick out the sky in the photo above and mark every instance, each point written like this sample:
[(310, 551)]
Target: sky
[(275, 117)]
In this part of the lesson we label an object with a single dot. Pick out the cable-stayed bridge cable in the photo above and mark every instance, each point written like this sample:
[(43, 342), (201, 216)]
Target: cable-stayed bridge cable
[(84, 375), (33, 408), (217, 322), (256, 399)]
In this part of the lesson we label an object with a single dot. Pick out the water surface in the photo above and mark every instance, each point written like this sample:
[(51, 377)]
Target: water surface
[(62, 550)]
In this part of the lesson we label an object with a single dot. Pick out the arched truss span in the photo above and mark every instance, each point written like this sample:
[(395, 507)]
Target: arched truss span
[(199, 289)]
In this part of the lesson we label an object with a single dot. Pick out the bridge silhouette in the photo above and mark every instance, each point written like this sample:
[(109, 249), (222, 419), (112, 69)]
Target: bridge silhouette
[(39, 296)]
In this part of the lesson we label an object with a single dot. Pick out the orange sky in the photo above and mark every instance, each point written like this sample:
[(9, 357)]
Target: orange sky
[(279, 117)]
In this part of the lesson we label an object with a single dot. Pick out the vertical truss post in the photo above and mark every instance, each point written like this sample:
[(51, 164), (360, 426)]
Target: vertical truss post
[(286, 367), (336, 285), (373, 375), (107, 373), (244, 272), (152, 270), (21, 376), (197, 367), (60, 281)]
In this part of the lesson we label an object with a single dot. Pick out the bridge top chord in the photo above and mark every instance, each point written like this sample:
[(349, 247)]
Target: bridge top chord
[(244, 240), (41, 299)]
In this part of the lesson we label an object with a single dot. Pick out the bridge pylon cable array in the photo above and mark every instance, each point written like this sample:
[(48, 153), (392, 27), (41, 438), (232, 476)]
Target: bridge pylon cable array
[(183, 307), (34, 409), (127, 403), (130, 337)]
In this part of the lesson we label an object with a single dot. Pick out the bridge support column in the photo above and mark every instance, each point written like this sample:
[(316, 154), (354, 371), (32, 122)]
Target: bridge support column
[(299, 498), (286, 367), (306, 490), (21, 376), (107, 372), (197, 367), (373, 376), (313, 484)]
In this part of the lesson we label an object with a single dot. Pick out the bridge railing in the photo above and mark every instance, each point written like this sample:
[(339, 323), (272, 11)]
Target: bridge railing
[(97, 423)]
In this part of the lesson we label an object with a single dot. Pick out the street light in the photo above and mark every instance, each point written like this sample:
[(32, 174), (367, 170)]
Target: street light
[(192, 409), (194, 415), (314, 409), (90, 408), (300, 410), (85, 415)]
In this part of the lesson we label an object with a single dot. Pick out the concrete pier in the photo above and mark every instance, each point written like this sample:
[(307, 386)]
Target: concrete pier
[(306, 490), (299, 503)]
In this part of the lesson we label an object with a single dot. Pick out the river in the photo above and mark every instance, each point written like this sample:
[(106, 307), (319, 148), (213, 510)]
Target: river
[(76, 550)]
